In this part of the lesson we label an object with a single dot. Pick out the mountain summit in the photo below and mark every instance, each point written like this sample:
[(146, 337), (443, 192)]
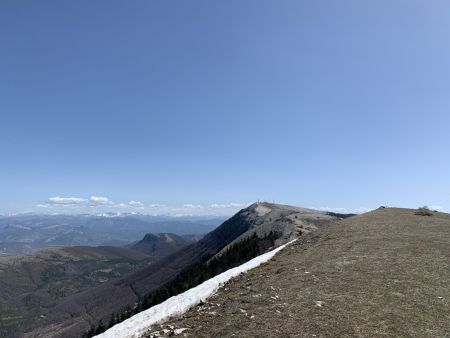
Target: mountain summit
[(161, 244), (381, 274)]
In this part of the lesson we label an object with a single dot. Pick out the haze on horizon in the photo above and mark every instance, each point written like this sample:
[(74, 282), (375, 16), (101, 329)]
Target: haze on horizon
[(205, 107)]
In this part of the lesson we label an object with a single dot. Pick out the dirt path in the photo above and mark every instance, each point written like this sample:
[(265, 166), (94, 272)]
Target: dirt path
[(382, 274)]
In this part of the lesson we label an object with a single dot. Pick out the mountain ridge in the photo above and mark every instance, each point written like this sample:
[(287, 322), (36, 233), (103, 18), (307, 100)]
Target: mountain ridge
[(74, 314), (160, 244), (383, 273)]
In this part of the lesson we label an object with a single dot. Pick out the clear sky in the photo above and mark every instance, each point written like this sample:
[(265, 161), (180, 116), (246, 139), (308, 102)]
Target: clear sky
[(199, 104)]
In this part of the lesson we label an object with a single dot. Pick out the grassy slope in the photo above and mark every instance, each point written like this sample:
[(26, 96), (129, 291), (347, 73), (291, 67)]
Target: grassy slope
[(30, 283), (381, 274)]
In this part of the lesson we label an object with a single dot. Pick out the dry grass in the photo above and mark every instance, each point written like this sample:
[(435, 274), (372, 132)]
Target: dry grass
[(381, 274)]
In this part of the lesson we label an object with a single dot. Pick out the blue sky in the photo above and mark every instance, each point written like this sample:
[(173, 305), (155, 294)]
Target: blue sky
[(207, 105)]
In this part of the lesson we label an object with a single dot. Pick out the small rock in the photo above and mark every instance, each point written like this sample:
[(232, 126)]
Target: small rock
[(176, 332)]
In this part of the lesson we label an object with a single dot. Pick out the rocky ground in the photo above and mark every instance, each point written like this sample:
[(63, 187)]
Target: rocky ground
[(381, 274)]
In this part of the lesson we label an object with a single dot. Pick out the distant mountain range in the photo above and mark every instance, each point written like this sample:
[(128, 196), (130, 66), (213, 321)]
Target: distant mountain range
[(29, 232)]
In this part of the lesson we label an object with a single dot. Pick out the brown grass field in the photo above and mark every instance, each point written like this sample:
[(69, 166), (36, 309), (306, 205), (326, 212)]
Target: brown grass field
[(381, 274)]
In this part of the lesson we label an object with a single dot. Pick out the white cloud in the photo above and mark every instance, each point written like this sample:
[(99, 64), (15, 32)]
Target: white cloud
[(192, 209), (99, 200), (213, 206), (104, 204), (338, 210), (362, 210), (226, 206), (332, 209), (59, 201), (156, 205), (43, 205), (66, 200), (193, 206)]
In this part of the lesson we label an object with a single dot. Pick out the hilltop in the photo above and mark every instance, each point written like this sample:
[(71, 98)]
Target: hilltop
[(381, 274), (161, 244)]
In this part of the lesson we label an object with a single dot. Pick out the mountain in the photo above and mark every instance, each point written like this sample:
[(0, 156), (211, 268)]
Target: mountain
[(31, 283), (29, 232), (381, 274), (160, 245), (76, 313)]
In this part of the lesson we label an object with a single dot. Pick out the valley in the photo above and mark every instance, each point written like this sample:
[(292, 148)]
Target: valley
[(31, 284)]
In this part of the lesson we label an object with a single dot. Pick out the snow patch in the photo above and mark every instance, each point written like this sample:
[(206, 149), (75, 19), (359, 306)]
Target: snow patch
[(137, 325)]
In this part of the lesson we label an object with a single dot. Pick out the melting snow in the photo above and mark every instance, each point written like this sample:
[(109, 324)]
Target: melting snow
[(137, 325)]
